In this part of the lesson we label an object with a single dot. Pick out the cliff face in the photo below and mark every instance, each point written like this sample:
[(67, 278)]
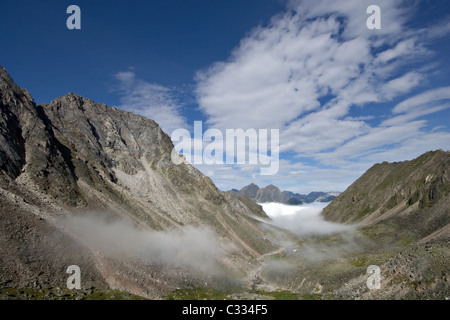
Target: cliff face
[(28, 142), (74, 156), (412, 194)]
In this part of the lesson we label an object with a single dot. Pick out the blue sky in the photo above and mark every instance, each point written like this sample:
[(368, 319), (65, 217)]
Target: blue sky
[(342, 96)]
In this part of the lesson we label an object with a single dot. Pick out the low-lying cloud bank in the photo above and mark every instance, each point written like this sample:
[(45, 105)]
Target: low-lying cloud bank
[(195, 248), (303, 220)]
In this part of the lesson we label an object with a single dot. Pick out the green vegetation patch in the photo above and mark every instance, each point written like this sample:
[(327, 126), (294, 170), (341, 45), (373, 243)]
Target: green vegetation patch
[(65, 294), (406, 240), (365, 212), (289, 295), (203, 293), (359, 262), (198, 294), (113, 295)]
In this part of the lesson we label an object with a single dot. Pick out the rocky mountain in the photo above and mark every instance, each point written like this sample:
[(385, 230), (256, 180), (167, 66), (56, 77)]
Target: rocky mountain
[(70, 168), (413, 194), (250, 191), (272, 193)]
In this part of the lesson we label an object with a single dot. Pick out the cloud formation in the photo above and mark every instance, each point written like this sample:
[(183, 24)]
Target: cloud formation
[(195, 248), (303, 220), (150, 100)]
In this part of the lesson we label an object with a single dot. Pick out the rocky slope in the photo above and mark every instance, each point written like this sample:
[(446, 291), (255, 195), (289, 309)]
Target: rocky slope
[(76, 158), (411, 194)]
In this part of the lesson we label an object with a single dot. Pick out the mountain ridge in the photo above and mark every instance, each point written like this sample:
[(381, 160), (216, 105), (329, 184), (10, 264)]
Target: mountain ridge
[(271, 193), (416, 190)]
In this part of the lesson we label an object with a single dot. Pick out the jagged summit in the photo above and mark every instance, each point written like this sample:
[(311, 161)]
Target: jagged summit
[(10, 90)]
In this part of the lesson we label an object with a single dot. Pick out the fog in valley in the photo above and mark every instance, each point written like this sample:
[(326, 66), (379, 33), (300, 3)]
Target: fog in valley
[(195, 248), (303, 220)]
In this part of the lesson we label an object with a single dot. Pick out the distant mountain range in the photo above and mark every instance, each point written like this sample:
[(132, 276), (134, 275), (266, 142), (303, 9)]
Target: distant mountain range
[(272, 193)]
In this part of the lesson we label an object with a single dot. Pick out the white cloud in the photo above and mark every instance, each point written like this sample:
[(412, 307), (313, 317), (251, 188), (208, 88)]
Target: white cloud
[(279, 73), (428, 102), (375, 140), (392, 12), (436, 31), (149, 100), (303, 220), (401, 85), (423, 100), (402, 48)]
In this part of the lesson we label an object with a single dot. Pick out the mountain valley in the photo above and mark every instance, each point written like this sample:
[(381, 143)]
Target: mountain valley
[(85, 184)]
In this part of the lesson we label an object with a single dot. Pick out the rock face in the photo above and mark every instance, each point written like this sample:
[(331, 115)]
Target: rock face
[(74, 156), (26, 134), (250, 191), (272, 193)]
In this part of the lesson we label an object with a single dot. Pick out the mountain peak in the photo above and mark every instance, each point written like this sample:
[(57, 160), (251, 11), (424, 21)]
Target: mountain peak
[(72, 99), (10, 91), (72, 95)]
